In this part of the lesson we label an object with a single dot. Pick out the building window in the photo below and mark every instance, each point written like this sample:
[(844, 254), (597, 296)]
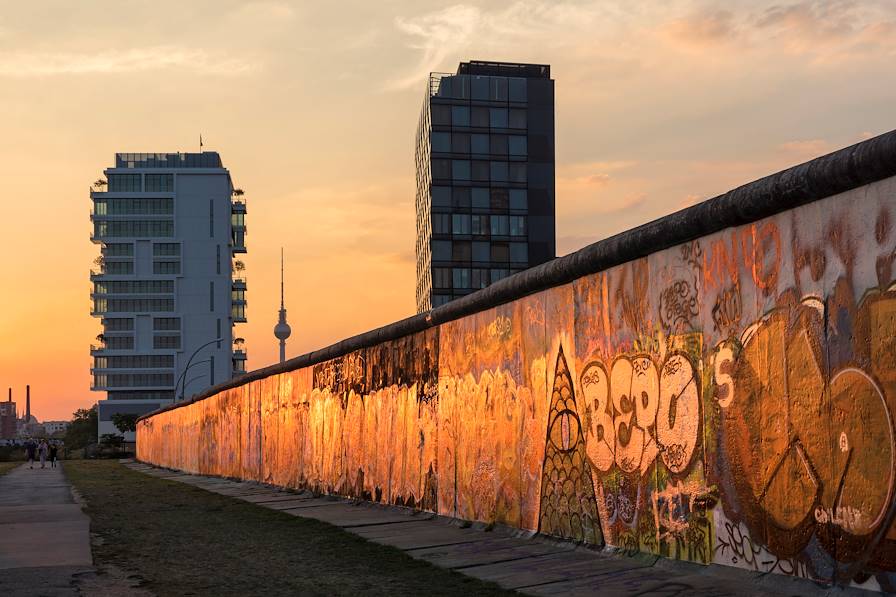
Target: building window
[(498, 87), (460, 142), (441, 277), (479, 88), (518, 199), (500, 252), (517, 119), (499, 225), (166, 342), (460, 116), (481, 251), (498, 274), (441, 142), (460, 169), (479, 144), (211, 296), (118, 324), (499, 171), (441, 169), (480, 117), (441, 223), (133, 206), (134, 287), (441, 196), (165, 249), (460, 224), (441, 250), (517, 172), (119, 342), (124, 183), (517, 89), (518, 145), (166, 324), (497, 118), (460, 197), (517, 225), (519, 252), (218, 261), (211, 218), (440, 115), (499, 199), (140, 228), (159, 183), (118, 268), (479, 278), (460, 251), (480, 171), (440, 299), (166, 267), (134, 361), (139, 305), (480, 198), (118, 250), (479, 224), (499, 145), (461, 277)]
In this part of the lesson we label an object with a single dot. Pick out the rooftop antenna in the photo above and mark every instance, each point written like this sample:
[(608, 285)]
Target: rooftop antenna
[(282, 330)]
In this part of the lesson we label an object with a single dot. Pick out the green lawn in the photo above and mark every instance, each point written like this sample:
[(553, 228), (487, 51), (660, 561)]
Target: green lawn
[(5, 467), (186, 541)]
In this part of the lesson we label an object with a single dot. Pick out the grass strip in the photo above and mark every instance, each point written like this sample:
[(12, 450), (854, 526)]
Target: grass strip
[(5, 467), (182, 540)]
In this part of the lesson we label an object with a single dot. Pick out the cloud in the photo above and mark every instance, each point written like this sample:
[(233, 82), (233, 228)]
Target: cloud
[(438, 35), (702, 28), (37, 64), (806, 149)]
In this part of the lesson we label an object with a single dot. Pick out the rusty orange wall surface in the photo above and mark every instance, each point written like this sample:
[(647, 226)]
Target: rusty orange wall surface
[(728, 400)]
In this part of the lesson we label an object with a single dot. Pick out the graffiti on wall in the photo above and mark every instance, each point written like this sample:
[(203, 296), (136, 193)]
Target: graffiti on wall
[(730, 400)]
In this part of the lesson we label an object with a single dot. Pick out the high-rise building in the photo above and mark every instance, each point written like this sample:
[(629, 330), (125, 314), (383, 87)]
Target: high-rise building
[(485, 177), (169, 226)]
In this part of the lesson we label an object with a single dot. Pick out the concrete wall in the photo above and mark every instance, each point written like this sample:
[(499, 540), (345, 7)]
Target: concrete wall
[(727, 399)]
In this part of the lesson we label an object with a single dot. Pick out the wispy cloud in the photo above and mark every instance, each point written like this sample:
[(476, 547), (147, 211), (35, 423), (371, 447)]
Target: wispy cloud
[(43, 64), (437, 36)]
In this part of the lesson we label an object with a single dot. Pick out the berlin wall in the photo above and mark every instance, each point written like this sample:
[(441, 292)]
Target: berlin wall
[(715, 386)]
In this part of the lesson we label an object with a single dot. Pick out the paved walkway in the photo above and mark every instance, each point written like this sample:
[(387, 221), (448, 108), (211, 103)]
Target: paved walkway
[(517, 560), (44, 535)]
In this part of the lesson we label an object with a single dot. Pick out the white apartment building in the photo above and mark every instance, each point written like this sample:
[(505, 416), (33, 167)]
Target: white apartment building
[(169, 226)]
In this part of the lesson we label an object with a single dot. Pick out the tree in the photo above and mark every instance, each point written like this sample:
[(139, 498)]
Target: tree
[(238, 192), (82, 430), (125, 422), (112, 440), (99, 183), (239, 267)]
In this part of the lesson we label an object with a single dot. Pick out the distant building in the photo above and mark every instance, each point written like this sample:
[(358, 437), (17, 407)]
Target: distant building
[(51, 427), (8, 420), (485, 177), (168, 226)]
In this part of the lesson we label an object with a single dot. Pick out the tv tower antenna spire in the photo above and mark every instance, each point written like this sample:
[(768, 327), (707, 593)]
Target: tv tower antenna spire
[(282, 331)]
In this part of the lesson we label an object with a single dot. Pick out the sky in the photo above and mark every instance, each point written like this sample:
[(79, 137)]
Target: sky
[(313, 107)]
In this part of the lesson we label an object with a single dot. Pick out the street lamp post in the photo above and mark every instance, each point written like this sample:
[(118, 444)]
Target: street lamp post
[(179, 379)]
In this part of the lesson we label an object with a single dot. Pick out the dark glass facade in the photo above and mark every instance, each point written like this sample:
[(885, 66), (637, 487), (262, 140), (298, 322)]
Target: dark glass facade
[(485, 178)]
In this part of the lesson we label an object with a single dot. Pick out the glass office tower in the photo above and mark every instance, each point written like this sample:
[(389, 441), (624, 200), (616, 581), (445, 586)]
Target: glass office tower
[(485, 177)]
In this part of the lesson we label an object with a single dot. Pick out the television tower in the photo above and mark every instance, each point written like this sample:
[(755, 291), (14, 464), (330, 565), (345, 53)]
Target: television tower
[(282, 330)]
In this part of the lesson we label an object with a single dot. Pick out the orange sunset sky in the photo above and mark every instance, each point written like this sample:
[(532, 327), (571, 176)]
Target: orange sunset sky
[(313, 107)]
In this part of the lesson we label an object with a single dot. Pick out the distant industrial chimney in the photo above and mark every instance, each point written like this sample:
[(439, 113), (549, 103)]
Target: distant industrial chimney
[(28, 404), (10, 395)]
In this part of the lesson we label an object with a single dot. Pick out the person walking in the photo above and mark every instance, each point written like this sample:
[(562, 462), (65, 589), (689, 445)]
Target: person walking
[(54, 451), (31, 450), (42, 450)]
